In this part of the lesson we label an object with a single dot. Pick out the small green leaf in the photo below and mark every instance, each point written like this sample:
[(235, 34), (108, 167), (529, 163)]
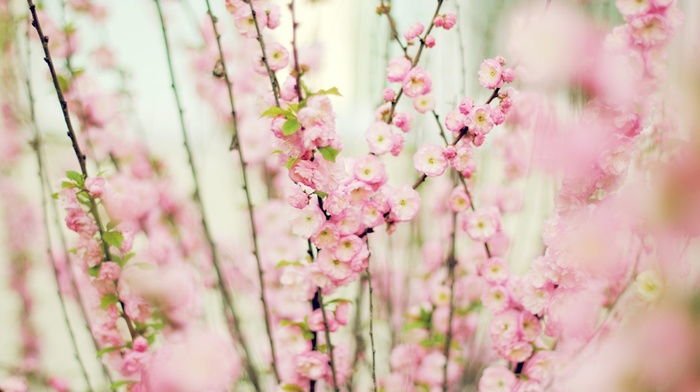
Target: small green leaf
[(338, 300), (108, 299), (328, 153), (67, 184), (308, 335), (76, 177), (108, 350), (54, 195), (290, 162), (330, 91), (113, 238), (94, 271), (290, 127), (118, 384), (292, 388), (285, 263), (321, 194), (275, 111), (112, 224), (62, 82)]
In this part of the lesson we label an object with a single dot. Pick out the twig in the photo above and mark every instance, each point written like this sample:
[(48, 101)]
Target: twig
[(371, 322), (229, 309), (249, 203), (328, 340), (273, 78), (451, 263)]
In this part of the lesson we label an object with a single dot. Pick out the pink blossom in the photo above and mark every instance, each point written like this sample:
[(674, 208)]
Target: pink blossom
[(277, 55), (450, 21), (96, 186), (308, 221), (481, 224), (312, 365), (379, 138), (348, 247), (342, 313), (455, 121), (245, 23), (397, 69), (430, 41), (296, 197), (494, 270), (403, 121), (424, 103), (479, 120), (497, 379), (370, 169), (389, 94), (496, 298), (404, 202), (459, 201), (429, 160), (417, 82), (490, 74), (414, 31), (335, 269)]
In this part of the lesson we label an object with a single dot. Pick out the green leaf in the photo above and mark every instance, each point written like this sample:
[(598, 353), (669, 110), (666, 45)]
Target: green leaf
[(338, 300), (292, 388), (54, 195), (321, 194), (330, 91), (108, 350), (118, 384), (62, 82), (275, 111), (285, 263), (108, 299), (328, 153), (290, 127), (112, 224), (308, 335), (76, 177), (66, 184), (113, 238), (94, 271), (290, 162)]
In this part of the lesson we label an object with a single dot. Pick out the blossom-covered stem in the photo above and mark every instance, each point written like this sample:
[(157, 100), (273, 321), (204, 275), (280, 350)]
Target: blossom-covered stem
[(36, 146), (249, 203), (386, 10), (416, 58), (229, 309), (74, 141), (451, 263), (328, 341), (297, 69), (371, 322), (273, 78)]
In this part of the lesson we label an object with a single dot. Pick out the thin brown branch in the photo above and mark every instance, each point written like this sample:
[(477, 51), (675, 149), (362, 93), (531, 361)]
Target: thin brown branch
[(273, 78)]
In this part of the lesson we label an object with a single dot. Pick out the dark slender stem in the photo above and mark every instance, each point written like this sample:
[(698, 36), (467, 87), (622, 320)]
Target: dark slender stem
[(229, 309), (371, 322), (328, 341), (71, 133), (37, 146), (249, 203), (386, 10), (451, 263), (273, 78)]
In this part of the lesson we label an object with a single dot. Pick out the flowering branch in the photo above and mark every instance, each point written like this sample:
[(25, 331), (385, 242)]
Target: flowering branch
[(328, 340), (235, 143), (273, 78), (229, 309)]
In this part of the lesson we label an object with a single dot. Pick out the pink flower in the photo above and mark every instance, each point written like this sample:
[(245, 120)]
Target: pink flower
[(95, 186), (429, 160), (414, 31), (633, 7), (424, 103), (379, 138), (479, 120), (296, 197), (430, 41), (403, 121), (370, 169), (494, 270), (466, 106), (497, 379), (308, 221), (539, 366), (335, 269), (463, 162), (490, 74), (342, 313), (389, 94), (417, 82), (277, 56), (482, 224), (397, 69), (404, 202), (496, 298), (312, 365), (455, 121), (348, 247), (245, 23), (450, 21), (459, 201)]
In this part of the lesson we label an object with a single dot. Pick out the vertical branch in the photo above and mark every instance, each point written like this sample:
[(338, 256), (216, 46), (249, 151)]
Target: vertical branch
[(328, 340), (297, 69), (371, 322), (36, 146), (229, 309), (251, 214), (451, 263), (273, 78)]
